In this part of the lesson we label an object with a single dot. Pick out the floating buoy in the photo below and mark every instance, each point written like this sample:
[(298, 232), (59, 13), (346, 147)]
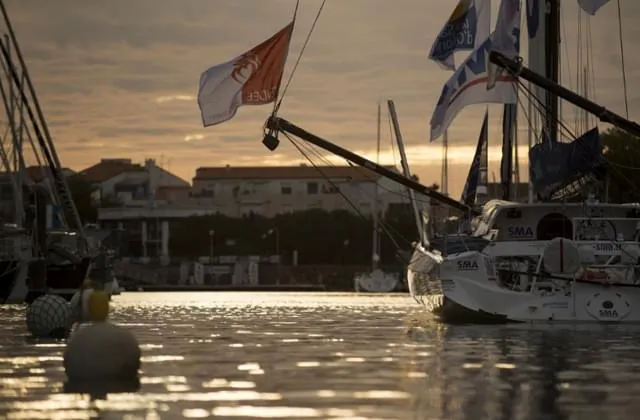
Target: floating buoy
[(47, 317), (89, 305), (99, 350)]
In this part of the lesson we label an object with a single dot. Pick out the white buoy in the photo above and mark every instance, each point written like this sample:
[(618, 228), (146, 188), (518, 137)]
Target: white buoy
[(99, 350), (47, 317), (79, 305)]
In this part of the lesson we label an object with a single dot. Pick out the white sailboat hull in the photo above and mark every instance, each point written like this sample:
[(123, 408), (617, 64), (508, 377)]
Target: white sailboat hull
[(583, 302), (465, 289)]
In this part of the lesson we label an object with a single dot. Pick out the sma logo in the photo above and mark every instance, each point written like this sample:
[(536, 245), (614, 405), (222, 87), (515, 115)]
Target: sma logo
[(520, 232), (466, 265), (609, 313)]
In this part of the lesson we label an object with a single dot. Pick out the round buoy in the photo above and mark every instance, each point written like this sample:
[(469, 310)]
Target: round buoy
[(79, 305), (89, 305), (98, 306), (47, 317), (100, 350)]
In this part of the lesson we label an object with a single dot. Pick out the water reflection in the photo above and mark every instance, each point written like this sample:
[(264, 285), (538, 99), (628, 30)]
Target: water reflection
[(247, 355), (526, 372)]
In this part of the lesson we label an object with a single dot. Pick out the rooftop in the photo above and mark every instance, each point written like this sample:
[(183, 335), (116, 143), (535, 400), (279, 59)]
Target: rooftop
[(109, 168), (353, 173)]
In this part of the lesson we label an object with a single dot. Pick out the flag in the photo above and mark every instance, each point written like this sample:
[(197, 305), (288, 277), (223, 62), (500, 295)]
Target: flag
[(506, 38), (468, 25), (468, 86), (477, 178), (592, 6), (253, 78)]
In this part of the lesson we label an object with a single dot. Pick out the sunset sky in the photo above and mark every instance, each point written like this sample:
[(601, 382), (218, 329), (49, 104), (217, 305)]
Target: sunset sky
[(118, 78)]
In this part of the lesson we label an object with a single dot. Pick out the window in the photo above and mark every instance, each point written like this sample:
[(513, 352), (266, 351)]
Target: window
[(285, 188), (312, 188), (330, 189)]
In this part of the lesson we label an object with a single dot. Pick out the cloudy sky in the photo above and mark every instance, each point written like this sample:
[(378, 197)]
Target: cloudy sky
[(118, 78)]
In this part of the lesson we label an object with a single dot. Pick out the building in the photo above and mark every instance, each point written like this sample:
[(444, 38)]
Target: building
[(268, 191), (122, 182), (241, 191)]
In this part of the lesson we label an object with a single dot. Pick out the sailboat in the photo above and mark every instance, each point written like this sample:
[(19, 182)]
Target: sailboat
[(550, 261), (58, 257)]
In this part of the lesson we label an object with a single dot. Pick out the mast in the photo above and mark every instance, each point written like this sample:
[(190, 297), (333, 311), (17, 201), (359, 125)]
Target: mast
[(444, 176), (375, 253), (552, 52), (406, 171)]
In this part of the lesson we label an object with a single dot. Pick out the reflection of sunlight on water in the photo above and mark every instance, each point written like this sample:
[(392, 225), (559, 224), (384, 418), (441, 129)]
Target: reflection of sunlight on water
[(339, 356)]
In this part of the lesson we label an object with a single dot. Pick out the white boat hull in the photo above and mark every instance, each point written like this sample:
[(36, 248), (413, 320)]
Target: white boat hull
[(465, 289)]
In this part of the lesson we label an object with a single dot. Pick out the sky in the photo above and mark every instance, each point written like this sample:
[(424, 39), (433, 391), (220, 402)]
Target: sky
[(118, 78)]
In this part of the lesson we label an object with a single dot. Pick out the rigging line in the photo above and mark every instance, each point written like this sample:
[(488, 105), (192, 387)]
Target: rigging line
[(624, 71), (540, 106), (389, 230), (295, 66), (314, 150), (563, 126), (350, 202), (365, 172)]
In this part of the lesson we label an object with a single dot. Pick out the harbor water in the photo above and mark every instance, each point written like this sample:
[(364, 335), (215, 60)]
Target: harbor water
[(329, 356)]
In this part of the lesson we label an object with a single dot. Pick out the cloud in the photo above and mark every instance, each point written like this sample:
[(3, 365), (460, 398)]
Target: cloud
[(118, 78)]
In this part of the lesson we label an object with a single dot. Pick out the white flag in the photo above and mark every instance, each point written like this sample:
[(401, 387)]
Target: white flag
[(252, 78), (468, 86), (506, 38), (592, 6), (468, 25)]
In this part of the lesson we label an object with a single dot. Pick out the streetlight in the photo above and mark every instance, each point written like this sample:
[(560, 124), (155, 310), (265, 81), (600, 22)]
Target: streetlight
[(211, 235)]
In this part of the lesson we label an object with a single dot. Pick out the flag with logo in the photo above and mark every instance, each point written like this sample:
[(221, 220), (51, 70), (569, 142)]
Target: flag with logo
[(506, 37), (253, 78), (468, 25), (468, 86), (477, 179), (592, 6)]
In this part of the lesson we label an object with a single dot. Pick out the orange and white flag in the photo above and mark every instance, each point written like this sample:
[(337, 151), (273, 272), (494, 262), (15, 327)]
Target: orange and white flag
[(253, 78)]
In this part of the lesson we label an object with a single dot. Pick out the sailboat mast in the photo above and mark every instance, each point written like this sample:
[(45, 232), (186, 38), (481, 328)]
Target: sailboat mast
[(405, 169), (552, 49), (375, 254)]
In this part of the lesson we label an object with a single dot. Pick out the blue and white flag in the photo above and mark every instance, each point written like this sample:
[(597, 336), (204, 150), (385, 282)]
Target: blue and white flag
[(468, 26), (506, 37), (468, 86), (477, 179)]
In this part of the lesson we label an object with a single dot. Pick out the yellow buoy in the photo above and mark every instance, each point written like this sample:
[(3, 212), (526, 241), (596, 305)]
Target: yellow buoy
[(98, 306)]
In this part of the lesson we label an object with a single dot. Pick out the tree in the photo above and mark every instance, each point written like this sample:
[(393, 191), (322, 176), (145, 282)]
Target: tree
[(81, 192), (622, 154)]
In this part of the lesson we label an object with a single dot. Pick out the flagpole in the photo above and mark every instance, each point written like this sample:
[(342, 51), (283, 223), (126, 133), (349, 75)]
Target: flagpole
[(277, 101)]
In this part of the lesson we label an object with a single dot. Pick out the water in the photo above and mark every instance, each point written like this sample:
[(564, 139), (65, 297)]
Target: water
[(329, 356)]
